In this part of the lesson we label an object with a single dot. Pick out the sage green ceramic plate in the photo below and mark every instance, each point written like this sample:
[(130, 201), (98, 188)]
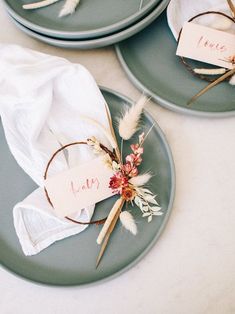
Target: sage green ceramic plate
[(150, 62), (72, 261), (91, 19), (98, 42)]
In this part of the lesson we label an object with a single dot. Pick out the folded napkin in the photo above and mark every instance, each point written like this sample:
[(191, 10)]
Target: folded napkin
[(42, 101), (180, 11)]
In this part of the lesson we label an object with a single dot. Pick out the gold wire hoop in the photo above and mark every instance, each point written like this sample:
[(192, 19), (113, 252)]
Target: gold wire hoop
[(97, 222)]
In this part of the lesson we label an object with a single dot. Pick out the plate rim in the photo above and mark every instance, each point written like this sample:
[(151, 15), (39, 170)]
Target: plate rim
[(97, 42), (84, 34), (155, 238), (161, 101)]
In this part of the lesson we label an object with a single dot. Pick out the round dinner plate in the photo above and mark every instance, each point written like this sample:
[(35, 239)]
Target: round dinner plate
[(72, 261), (102, 41), (150, 61), (91, 18)]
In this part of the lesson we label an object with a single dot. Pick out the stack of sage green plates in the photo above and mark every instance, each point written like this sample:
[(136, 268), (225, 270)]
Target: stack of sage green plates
[(94, 24)]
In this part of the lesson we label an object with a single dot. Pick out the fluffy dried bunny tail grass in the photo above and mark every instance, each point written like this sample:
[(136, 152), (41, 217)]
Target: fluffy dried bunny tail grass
[(210, 71), (69, 7), (129, 123), (141, 179), (232, 80), (128, 222)]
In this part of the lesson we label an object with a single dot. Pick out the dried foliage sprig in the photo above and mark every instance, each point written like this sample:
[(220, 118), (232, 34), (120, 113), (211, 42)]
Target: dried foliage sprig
[(146, 201)]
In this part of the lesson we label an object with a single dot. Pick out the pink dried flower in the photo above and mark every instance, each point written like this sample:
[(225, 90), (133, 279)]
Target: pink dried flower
[(137, 149), (118, 181), (134, 172), (130, 170), (134, 159)]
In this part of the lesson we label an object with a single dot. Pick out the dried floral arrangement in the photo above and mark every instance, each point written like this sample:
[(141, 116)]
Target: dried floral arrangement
[(206, 74), (126, 181), (68, 8)]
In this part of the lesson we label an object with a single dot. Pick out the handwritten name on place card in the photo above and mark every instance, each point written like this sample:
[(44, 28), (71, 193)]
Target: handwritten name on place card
[(79, 187), (206, 44)]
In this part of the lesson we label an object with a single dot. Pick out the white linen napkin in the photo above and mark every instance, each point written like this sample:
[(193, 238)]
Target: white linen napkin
[(180, 11), (42, 99)]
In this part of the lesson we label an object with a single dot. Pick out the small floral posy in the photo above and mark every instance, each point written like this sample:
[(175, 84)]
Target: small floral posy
[(129, 184), (126, 181)]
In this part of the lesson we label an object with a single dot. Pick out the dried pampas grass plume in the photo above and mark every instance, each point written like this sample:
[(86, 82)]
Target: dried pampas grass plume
[(69, 7), (141, 179), (129, 123), (128, 222), (103, 129)]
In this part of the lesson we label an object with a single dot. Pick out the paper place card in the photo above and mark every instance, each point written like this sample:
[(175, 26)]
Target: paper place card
[(79, 187), (206, 44)]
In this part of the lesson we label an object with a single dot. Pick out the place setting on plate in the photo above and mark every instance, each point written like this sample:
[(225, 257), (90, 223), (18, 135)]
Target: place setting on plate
[(89, 178), (150, 61), (79, 184), (88, 172)]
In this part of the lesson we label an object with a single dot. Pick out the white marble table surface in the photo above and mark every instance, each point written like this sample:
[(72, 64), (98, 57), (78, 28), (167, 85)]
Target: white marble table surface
[(191, 270)]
